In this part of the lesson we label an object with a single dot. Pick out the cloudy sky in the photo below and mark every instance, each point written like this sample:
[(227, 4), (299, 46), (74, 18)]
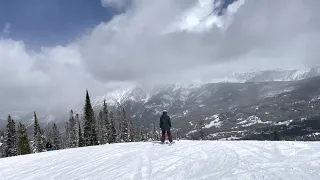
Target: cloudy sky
[(51, 51)]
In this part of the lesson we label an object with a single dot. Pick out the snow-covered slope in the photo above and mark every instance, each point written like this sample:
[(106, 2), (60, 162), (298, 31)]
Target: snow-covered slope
[(197, 160)]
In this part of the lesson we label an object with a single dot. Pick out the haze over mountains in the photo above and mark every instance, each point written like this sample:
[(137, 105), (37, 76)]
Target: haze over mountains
[(235, 104)]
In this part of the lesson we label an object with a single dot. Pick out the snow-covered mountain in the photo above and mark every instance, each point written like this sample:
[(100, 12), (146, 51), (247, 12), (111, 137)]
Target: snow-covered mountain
[(225, 104), (272, 75), (183, 160), (135, 94), (232, 106)]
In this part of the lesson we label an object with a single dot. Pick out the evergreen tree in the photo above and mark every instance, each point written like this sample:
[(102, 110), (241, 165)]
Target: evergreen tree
[(100, 126), (23, 141), (132, 132), (10, 139), (56, 137), (142, 134), (66, 138), (177, 135), (73, 134), (38, 138), (118, 122), (113, 130), (43, 139), (90, 135), (124, 128), (105, 123), (155, 134), (80, 135), (202, 134)]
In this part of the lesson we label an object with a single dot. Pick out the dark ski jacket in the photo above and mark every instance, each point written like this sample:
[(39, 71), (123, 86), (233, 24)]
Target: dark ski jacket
[(165, 122), (48, 145)]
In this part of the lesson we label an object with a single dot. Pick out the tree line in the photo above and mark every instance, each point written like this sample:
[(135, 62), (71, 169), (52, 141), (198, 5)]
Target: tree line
[(87, 130)]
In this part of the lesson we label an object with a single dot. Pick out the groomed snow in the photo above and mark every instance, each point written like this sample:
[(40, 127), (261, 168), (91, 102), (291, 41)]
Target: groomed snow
[(210, 160)]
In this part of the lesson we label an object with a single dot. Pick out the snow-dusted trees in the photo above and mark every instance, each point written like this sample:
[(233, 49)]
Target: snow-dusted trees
[(73, 134), (38, 138), (112, 130), (142, 134), (56, 137), (23, 141), (90, 134), (66, 137), (105, 123), (10, 139), (132, 131), (124, 126), (80, 134), (100, 126), (202, 133), (155, 133)]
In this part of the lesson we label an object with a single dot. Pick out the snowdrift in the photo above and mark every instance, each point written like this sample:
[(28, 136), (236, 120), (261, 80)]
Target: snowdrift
[(210, 160)]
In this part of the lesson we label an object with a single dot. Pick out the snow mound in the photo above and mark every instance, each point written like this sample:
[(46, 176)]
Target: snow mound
[(183, 160)]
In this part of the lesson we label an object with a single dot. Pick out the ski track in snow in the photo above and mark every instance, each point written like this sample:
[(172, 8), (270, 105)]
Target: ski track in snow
[(184, 160)]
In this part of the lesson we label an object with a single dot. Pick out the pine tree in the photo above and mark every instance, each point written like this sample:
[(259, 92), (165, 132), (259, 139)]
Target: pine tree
[(23, 141), (142, 134), (132, 132), (56, 137), (202, 134), (10, 139), (66, 137), (124, 127), (38, 140), (90, 135), (73, 134), (80, 135), (155, 134), (43, 140), (100, 125), (177, 135), (118, 122), (105, 123), (113, 130)]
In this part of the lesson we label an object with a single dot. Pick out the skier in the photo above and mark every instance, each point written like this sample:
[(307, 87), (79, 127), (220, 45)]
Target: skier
[(48, 146), (165, 125)]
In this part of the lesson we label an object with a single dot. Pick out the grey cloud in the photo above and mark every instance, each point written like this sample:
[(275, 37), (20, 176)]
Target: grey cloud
[(139, 51), (136, 47)]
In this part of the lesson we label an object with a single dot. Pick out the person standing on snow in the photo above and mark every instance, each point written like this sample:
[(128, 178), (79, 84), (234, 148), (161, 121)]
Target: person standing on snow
[(48, 146), (165, 126)]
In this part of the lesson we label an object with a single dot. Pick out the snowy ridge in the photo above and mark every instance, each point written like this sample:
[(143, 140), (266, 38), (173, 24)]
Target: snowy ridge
[(183, 160), (138, 95)]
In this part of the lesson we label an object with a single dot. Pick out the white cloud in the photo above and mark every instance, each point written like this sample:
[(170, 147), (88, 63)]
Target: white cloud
[(155, 42)]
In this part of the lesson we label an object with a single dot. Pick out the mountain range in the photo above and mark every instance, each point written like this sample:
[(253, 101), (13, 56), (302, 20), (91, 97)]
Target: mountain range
[(227, 106)]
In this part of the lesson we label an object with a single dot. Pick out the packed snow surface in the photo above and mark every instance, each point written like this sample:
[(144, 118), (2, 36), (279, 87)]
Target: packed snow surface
[(210, 160)]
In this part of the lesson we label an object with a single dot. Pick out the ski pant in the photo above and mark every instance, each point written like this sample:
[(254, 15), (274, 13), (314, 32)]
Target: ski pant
[(163, 137)]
